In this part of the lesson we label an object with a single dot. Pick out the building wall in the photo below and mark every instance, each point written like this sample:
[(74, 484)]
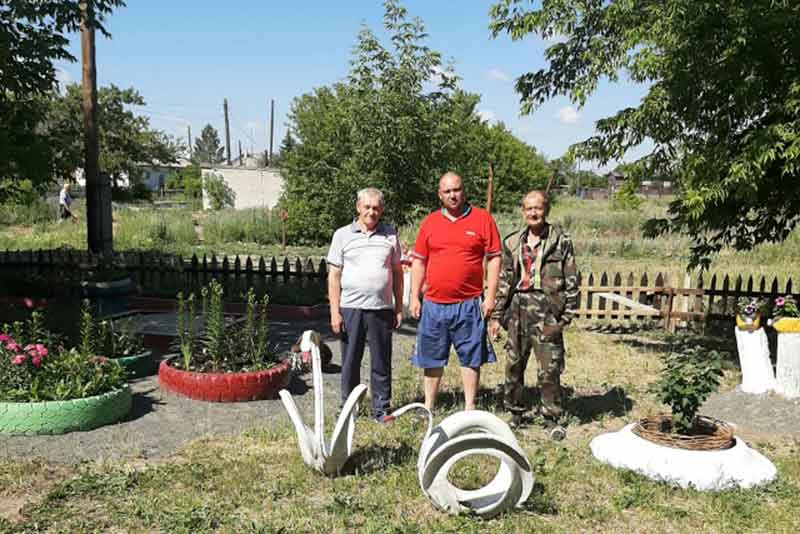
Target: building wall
[(254, 188)]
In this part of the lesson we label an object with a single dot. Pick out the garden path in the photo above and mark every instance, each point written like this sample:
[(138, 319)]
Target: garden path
[(755, 415)]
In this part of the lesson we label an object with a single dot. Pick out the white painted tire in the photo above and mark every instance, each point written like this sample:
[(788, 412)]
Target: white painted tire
[(465, 434), (737, 467)]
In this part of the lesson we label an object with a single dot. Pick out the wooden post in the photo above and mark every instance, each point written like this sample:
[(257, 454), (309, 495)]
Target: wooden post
[(189, 135), (98, 194), (227, 132), (241, 161), (490, 188), (271, 130)]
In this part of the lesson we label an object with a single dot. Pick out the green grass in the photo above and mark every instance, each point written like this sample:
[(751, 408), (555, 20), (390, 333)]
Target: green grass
[(256, 481)]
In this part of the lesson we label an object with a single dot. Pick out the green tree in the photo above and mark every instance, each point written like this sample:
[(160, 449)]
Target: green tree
[(220, 194), (207, 147), (397, 123), (722, 111), (33, 34), (126, 139)]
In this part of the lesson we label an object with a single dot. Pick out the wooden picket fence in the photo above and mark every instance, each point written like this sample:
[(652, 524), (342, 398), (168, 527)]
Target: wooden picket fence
[(660, 297)]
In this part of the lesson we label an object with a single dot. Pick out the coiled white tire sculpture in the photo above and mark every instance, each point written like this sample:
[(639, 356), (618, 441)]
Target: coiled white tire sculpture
[(464, 434), (327, 457)]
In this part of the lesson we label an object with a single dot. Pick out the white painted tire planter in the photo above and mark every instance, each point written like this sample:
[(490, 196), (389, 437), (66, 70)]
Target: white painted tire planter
[(468, 433), (60, 417), (757, 374), (787, 370), (737, 467)]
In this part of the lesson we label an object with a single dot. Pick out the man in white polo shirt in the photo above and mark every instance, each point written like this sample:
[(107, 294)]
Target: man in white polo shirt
[(365, 290)]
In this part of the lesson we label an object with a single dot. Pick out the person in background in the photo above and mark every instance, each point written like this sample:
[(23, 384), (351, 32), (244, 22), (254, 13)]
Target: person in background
[(65, 204)]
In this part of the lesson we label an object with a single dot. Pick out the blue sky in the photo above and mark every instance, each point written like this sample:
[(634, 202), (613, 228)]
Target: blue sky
[(185, 56)]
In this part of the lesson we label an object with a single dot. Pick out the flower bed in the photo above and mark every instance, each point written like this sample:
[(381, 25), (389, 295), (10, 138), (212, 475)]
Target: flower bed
[(226, 361), (224, 387), (48, 389)]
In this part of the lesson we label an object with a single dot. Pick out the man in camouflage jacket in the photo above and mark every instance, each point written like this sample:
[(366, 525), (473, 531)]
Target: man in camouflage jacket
[(537, 297)]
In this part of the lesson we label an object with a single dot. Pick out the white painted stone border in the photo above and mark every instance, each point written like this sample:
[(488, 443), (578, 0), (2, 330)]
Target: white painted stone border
[(737, 467)]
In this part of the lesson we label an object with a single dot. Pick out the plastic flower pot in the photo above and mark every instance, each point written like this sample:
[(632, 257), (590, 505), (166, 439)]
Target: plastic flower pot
[(60, 417), (224, 387), (748, 323)]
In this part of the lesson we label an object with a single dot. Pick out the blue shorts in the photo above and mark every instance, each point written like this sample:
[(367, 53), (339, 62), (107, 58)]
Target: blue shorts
[(461, 324)]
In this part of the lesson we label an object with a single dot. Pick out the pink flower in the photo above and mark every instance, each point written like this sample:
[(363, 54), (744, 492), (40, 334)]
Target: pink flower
[(36, 360), (41, 350), (19, 359), (4, 338), (780, 301), (28, 302), (12, 346), (30, 347)]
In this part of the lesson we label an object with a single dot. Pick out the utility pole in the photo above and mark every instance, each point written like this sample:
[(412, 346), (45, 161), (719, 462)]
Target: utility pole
[(271, 128), (490, 188), (241, 161), (98, 191), (189, 135), (227, 133)]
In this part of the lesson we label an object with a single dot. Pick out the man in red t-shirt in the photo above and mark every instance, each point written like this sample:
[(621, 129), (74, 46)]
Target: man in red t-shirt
[(448, 255)]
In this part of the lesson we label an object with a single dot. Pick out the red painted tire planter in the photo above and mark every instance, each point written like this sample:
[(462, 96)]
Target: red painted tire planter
[(224, 387)]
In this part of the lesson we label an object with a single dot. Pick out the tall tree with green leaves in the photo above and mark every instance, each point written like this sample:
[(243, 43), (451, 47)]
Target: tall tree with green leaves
[(397, 123), (722, 111), (208, 149), (33, 34), (126, 140)]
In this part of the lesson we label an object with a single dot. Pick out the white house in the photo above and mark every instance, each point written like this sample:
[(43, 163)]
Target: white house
[(254, 188)]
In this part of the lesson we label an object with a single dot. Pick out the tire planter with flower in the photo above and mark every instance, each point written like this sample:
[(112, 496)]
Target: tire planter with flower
[(224, 387), (787, 370), (60, 417), (138, 365), (712, 460)]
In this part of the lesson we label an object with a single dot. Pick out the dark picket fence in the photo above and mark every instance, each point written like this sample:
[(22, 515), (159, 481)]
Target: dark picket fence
[(667, 299)]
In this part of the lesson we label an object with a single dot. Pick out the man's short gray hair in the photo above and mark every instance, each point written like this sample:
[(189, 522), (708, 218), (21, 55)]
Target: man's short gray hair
[(369, 192)]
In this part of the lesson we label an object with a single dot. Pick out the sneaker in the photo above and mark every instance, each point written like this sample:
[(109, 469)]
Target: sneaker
[(555, 431), (517, 420), (384, 418)]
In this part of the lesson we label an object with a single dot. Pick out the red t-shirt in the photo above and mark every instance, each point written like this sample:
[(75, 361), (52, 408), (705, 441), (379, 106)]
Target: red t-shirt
[(454, 252)]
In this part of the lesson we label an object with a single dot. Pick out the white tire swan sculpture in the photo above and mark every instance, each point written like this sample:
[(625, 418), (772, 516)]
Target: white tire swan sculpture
[(463, 434), (327, 457)]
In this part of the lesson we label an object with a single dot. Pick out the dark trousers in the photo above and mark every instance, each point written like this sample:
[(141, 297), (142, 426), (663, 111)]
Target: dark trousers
[(375, 328)]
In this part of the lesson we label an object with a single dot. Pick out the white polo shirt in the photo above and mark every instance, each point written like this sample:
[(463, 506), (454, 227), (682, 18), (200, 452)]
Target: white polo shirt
[(367, 261)]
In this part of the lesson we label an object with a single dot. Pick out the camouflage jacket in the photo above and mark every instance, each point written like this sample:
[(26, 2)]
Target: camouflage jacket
[(557, 300)]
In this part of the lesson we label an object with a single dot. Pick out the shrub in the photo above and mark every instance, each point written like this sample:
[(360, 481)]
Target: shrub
[(220, 195), (35, 366), (689, 377)]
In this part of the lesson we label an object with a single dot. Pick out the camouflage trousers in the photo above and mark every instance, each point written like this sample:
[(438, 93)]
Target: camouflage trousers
[(524, 336)]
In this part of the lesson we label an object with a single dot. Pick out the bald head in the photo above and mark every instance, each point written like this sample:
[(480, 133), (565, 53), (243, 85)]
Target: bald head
[(449, 179), (535, 193), (451, 193)]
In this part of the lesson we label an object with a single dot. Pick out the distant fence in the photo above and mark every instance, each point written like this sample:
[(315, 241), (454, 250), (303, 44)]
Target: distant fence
[(657, 297)]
